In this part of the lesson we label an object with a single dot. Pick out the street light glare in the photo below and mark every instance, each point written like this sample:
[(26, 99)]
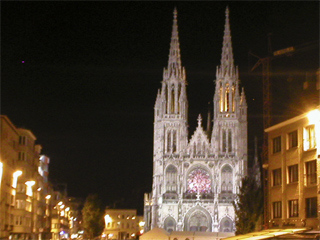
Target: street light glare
[(314, 116), (17, 173), (30, 183)]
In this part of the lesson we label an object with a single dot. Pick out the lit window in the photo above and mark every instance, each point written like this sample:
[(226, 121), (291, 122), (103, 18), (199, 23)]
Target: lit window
[(311, 172), (276, 177), (311, 207), (293, 208), (277, 144), (293, 139), (277, 209), (309, 138), (293, 173)]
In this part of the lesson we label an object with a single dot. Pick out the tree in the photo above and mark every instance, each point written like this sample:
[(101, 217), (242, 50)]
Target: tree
[(248, 206), (93, 216)]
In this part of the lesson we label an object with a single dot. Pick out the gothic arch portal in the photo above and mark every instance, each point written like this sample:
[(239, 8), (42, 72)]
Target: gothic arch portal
[(226, 225), (198, 219), (169, 224)]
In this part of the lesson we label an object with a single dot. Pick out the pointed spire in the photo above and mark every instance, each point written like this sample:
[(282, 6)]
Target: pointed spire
[(243, 100), (199, 120), (174, 63), (227, 65)]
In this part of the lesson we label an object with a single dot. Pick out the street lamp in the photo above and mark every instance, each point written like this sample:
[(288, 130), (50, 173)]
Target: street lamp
[(29, 187), (16, 174)]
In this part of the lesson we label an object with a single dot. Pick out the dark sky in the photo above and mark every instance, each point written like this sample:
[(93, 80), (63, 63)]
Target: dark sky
[(91, 71)]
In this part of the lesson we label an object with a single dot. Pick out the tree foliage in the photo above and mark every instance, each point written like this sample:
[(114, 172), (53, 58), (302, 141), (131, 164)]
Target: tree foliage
[(248, 206), (93, 216)]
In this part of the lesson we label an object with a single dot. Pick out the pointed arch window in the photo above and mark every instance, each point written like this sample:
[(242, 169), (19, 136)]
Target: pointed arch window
[(221, 98), (224, 140), (226, 179), (171, 179), (227, 140), (233, 101), (172, 100), (174, 141), (171, 141), (227, 100)]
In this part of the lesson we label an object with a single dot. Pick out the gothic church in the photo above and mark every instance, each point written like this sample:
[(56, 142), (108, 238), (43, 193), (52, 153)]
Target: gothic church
[(195, 180)]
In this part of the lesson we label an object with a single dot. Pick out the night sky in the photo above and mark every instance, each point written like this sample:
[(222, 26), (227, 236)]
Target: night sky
[(83, 77)]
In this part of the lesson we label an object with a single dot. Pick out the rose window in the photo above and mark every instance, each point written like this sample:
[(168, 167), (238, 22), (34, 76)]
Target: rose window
[(199, 181)]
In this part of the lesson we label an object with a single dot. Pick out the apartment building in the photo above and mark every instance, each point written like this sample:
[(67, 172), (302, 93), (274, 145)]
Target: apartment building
[(8, 175), (294, 172), (122, 224), (30, 208)]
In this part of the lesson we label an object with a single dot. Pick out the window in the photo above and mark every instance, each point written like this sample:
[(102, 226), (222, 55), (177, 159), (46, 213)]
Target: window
[(276, 177), (309, 138), (18, 220), (171, 179), (293, 208), (311, 172), (293, 173), (293, 139), (22, 156), (20, 204), (277, 210), (226, 179), (311, 207), (277, 144), (22, 140)]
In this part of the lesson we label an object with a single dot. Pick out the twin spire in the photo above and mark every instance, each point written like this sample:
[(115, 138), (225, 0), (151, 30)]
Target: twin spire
[(227, 65), (174, 64)]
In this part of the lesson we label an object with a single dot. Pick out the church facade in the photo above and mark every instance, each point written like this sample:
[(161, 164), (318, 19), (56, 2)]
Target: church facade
[(195, 180)]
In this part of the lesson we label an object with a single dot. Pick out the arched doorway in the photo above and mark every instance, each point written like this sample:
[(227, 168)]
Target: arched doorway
[(170, 224), (198, 220), (226, 225)]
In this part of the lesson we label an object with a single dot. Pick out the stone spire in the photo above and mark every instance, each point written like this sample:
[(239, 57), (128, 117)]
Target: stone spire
[(227, 67), (174, 64)]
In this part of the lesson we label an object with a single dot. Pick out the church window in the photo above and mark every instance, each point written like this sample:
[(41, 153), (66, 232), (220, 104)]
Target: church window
[(227, 100), (229, 141), (233, 102), (169, 141), (224, 140), (226, 179), (172, 100), (199, 181), (171, 179), (174, 141), (221, 99)]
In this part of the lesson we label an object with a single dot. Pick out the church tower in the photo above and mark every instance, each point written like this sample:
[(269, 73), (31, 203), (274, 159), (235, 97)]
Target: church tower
[(229, 136), (196, 180)]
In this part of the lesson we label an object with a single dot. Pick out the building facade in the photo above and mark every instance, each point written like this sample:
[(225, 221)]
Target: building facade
[(293, 172), (122, 224), (195, 180), (29, 206)]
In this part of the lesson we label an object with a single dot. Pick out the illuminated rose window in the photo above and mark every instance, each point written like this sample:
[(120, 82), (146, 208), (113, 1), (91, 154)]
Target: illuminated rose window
[(199, 181)]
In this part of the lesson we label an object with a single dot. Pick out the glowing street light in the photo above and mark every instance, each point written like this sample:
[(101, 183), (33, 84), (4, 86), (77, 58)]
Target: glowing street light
[(16, 174), (29, 187), (48, 197), (107, 219), (314, 116)]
